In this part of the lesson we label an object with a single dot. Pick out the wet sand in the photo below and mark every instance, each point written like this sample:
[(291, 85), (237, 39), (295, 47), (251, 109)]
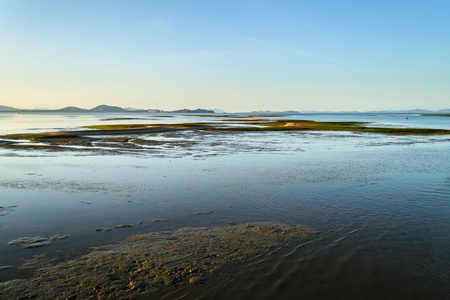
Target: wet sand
[(147, 266)]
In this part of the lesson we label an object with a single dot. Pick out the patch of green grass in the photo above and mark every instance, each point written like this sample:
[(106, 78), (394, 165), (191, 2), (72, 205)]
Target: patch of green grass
[(192, 125), (305, 125), (308, 123), (114, 119), (287, 125), (405, 131), (22, 136), (201, 116), (436, 115), (36, 137), (132, 126), (117, 126), (277, 125)]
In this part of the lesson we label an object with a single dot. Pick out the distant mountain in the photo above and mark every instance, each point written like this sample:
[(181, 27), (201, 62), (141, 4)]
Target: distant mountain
[(408, 111), (107, 108), (133, 109), (7, 108), (269, 112), (218, 110), (195, 111), (98, 109), (116, 109), (70, 109)]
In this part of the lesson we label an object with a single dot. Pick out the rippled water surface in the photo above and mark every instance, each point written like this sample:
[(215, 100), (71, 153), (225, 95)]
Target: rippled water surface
[(381, 204)]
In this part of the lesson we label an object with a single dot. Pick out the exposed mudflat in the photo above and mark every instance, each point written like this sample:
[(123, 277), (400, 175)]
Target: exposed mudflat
[(139, 130), (36, 241), (5, 210), (145, 264), (121, 138)]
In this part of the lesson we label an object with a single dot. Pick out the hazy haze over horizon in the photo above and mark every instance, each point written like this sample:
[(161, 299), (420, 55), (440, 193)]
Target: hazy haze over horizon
[(234, 55)]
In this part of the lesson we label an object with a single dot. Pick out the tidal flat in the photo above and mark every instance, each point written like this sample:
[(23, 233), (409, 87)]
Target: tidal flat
[(104, 137), (195, 213)]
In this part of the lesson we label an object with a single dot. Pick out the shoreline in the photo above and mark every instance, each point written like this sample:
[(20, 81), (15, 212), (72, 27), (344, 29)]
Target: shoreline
[(146, 264)]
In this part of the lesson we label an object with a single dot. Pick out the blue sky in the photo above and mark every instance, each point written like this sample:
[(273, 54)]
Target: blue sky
[(235, 55)]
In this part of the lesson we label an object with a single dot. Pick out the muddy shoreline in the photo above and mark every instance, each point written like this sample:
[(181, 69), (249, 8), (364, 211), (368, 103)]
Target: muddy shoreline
[(152, 264)]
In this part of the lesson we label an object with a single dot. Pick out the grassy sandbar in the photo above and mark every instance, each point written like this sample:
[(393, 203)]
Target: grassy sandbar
[(306, 125)]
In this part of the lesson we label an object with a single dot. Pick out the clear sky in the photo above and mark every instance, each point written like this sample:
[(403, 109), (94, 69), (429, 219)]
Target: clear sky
[(238, 55)]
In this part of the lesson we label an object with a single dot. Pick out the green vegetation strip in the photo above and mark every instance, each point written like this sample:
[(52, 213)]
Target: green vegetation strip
[(36, 137), (436, 115), (133, 126), (305, 125), (252, 125), (115, 119), (117, 126)]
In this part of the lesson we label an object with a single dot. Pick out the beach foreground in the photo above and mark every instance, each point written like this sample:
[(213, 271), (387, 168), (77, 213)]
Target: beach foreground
[(145, 264)]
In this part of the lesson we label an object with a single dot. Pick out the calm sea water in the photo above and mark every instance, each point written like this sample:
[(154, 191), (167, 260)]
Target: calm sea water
[(11, 123), (381, 203)]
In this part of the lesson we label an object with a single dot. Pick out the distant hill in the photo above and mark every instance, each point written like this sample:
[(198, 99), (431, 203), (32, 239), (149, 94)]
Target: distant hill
[(70, 109), (270, 112), (410, 111), (98, 109), (195, 111), (7, 108), (107, 108), (116, 109)]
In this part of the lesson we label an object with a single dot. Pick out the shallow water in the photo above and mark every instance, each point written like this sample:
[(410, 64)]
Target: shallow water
[(380, 202), (12, 123)]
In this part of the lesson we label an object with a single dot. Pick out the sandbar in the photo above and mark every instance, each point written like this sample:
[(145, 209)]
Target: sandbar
[(147, 129)]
